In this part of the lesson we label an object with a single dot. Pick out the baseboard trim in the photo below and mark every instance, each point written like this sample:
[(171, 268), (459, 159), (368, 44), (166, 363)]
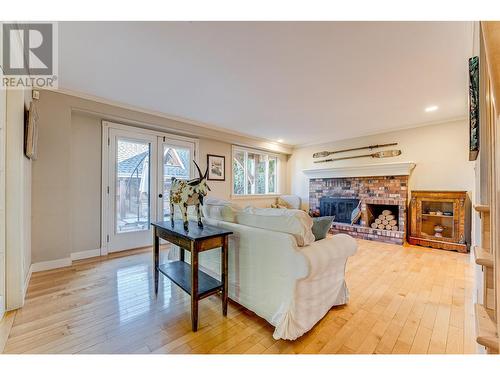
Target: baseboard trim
[(64, 262), (50, 265), (85, 254)]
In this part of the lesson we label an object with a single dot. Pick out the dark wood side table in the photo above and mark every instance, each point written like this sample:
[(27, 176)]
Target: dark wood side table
[(189, 278)]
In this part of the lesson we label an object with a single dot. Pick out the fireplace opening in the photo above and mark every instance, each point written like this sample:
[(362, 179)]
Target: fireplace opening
[(383, 216), (341, 208)]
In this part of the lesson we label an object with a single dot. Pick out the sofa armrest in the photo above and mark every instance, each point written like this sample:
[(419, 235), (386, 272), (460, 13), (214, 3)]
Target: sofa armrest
[(325, 253)]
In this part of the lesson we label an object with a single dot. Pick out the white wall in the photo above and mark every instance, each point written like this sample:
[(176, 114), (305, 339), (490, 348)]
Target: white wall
[(17, 193), (440, 152), (18, 200), (3, 110), (85, 182), (66, 190)]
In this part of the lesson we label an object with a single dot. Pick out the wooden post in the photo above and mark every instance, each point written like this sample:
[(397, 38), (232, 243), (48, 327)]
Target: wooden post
[(224, 277), (156, 258), (194, 289)]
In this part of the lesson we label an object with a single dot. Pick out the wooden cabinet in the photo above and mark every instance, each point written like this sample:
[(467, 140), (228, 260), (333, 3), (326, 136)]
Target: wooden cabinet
[(440, 219)]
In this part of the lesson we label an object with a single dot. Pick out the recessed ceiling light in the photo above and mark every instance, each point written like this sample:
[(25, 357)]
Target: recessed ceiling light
[(432, 108), (280, 140)]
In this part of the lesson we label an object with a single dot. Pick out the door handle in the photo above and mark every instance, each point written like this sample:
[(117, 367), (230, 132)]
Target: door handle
[(160, 195)]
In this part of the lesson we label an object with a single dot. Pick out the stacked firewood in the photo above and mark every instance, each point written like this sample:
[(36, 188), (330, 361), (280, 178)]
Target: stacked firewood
[(386, 221)]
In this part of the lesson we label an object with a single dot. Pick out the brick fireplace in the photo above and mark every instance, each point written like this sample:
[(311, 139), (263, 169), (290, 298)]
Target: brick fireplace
[(340, 195)]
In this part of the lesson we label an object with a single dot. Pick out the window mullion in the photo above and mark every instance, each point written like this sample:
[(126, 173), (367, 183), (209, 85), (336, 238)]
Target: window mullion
[(245, 181), (254, 175), (266, 176)]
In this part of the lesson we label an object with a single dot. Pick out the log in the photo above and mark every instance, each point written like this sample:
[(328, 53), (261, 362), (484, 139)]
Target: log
[(395, 227), (378, 221), (385, 222), (393, 222), (381, 217), (388, 227), (381, 226), (390, 217), (374, 225), (386, 212)]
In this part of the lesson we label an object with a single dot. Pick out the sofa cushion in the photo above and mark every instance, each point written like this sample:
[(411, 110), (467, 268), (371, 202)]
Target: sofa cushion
[(321, 226), (219, 209), (294, 222)]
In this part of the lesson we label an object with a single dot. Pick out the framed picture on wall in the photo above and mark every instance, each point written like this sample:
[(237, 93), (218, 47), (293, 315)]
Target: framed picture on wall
[(473, 107), (216, 167)]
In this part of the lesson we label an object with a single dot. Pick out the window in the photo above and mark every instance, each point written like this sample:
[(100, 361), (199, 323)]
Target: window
[(254, 172)]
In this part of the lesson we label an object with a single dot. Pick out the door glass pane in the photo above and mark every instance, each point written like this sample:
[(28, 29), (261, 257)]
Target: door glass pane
[(132, 185), (176, 163)]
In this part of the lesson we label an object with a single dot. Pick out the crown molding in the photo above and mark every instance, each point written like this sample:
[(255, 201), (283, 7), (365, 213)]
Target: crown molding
[(208, 130)]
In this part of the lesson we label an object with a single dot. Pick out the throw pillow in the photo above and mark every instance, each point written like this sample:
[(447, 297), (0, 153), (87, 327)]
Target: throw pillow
[(321, 226), (289, 201), (219, 209)]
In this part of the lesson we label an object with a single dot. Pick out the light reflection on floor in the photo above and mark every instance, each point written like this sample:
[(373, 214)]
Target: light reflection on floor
[(133, 284)]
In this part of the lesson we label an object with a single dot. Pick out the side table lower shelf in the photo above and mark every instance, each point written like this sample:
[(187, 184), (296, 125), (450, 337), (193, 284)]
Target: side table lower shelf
[(180, 274)]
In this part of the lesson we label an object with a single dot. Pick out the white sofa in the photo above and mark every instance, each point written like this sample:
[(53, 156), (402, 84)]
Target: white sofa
[(291, 287)]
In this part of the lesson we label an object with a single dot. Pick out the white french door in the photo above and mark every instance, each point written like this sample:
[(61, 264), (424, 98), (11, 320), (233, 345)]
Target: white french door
[(175, 159), (138, 165), (132, 190)]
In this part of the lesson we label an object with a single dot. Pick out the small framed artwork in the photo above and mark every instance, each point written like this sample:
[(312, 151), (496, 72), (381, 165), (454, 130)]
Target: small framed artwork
[(216, 167)]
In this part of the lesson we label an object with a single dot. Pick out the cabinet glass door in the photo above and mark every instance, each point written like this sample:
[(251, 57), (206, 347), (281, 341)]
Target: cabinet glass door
[(437, 219)]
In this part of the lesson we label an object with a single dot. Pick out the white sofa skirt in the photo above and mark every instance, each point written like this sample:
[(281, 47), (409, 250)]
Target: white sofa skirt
[(291, 287)]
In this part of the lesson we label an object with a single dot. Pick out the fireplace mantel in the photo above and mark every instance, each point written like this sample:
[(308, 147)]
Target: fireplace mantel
[(366, 170)]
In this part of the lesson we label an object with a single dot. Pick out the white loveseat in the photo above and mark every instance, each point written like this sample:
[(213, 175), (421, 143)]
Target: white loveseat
[(290, 286)]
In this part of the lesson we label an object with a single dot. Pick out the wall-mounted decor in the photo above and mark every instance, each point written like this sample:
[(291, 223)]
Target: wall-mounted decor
[(216, 167), (324, 154), (378, 155), (31, 132), (473, 107)]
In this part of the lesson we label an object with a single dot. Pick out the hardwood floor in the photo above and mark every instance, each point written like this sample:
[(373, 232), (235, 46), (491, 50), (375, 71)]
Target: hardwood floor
[(402, 300)]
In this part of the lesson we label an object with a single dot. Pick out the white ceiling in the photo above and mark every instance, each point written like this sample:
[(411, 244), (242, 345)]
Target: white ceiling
[(303, 82)]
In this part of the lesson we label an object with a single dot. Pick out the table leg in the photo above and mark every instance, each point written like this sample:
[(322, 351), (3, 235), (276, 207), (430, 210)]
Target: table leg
[(224, 253), (181, 254), (156, 257), (194, 290)]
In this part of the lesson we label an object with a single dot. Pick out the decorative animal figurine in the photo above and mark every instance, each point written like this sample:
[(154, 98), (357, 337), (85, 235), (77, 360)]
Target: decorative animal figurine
[(188, 193)]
